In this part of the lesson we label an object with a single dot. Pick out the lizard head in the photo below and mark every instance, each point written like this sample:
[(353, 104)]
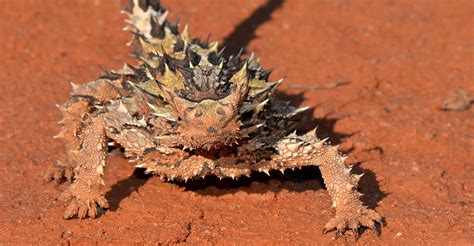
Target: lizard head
[(203, 98), (209, 124)]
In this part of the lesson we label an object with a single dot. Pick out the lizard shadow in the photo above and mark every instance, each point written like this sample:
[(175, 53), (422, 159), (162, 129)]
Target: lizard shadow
[(245, 31), (124, 188)]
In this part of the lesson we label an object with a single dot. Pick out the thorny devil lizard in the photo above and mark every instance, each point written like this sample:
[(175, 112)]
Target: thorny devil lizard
[(187, 111)]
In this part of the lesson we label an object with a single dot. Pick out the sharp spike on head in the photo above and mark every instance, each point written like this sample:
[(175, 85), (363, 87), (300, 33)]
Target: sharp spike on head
[(213, 46), (244, 67), (167, 69), (221, 52), (241, 76)]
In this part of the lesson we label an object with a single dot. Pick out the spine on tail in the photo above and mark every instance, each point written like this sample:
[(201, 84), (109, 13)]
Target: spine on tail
[(156, 36), (153, 33), (146, 18)]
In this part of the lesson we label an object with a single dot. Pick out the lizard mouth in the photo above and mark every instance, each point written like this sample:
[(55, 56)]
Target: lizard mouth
[(216, 144), (215, 152)]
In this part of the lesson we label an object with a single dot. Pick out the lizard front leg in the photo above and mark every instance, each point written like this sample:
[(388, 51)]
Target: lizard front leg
[(307, 150), (340, 183), (85, 193), (82, 100)]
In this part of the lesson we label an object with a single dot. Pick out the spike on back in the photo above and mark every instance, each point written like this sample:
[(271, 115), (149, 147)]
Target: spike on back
[(205, 94)]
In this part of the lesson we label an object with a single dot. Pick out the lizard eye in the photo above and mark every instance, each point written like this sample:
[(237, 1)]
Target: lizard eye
[(220, 111), (198, 113)]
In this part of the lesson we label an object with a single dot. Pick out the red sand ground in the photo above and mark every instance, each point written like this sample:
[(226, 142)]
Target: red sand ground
[(402, 58)]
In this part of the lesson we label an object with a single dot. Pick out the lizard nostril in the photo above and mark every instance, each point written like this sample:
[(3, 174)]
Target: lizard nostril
[(211, 129)]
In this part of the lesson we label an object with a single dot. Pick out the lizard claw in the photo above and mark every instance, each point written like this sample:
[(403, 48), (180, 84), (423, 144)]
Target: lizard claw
[(85, 208), (83, 204), (353, 221)]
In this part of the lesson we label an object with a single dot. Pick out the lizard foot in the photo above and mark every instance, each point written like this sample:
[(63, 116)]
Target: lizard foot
[(351, 220), (83, 204), (59, 171)]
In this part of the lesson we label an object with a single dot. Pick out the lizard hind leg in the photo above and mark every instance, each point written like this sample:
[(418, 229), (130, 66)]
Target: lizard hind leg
[(58, 171)]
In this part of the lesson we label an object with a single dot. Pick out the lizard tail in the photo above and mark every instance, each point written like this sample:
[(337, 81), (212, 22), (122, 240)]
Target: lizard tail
[(153, 33)]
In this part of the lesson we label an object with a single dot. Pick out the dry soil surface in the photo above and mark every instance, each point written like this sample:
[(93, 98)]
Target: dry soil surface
[(402, 58)]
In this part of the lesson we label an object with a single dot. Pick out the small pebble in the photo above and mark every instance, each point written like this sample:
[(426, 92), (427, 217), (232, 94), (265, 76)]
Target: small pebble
[(458, 100)]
